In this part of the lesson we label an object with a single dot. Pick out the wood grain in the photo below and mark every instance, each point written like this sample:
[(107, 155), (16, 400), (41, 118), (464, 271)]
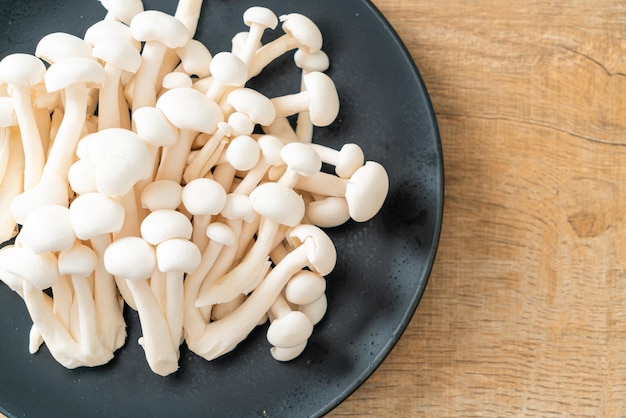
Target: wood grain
[(525, 311)]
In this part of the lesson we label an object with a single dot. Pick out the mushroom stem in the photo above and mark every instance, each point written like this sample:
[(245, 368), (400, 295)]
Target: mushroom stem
[(223, 335), (109, 112), (146, 79), (108, 308), (188, 12), (31, 140), (91, 343), (62, 300), (173, 159), (11, 186), (240, 278), (62, 149), (162, 358), (59, 342)]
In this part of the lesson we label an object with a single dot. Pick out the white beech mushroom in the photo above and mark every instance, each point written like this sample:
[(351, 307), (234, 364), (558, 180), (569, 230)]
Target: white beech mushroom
[(21, 72), (346, 160), (48, 229), (160, 32), (227, 70), (134, 259), (300, 32), (79, 262), (313, 249), (95, 217), (58, 46), (191, 112), (288, 329), (258, 19), (365, 191), (118, 56), (73, 75), (320, 99), (203, 198), (175, 257), (328, 212), (308, 62), (122, 10)]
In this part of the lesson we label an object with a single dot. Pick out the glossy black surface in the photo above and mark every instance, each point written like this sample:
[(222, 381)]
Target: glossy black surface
[(383, 265)]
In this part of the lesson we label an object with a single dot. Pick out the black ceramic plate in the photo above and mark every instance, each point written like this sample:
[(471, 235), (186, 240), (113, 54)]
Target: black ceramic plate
[(382, 268)]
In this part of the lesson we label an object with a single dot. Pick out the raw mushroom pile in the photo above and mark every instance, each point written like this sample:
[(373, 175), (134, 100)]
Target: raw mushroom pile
[(143, 171)]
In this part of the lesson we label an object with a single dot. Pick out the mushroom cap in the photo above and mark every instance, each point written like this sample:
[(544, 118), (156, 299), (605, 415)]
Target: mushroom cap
[(12, 280), (228, 69), (40, 270), (323, 98), (321, 251), (58, 46), (311, 61), (82, 177), (240, 124), (165, 224), (270, 149), (71, 71), (304, 30), (243, 153), (316, 310), (204, 196), (153, 127), (119, 158), (287, 353), (107, 29), (176, 79), (305, 287), (238, 206), (51, 190), (279, 203), (162, 194), (195, 58), (94, 214), (290, 330), (119, 53), (48, 228), (131, 258), (366, 191), (22, 70), (328, 212), (301, 158), (351, 158), (154, 25), (187, 108), (260, 16), (79, 260), (222, 233), (257, 106), (123, 10), (178, 255)]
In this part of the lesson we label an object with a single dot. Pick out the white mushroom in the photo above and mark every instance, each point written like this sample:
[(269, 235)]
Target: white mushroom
[(159, 31), (48, 229), (313, 249), (21, 72), (258, 19), (288, 328), (79, 262), (134, 259), (73, 75), (227, 70), (308, 62), (347, 160), (203, 198), (320, 100), (191, 112), (365, 191), (300, 32)]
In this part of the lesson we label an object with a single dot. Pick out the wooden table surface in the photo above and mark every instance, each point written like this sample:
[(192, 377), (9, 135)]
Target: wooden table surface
[(525, 311)]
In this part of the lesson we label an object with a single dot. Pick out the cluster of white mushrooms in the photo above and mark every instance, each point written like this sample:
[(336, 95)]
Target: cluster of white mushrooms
[(143, 171)]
